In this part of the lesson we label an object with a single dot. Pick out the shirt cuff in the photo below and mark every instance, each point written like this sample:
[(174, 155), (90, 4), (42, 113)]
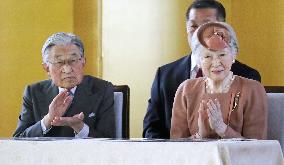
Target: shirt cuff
[(43, 127), (84, 132)]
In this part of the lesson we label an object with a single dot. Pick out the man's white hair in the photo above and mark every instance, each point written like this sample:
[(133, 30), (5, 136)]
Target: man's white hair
[(61, 38)]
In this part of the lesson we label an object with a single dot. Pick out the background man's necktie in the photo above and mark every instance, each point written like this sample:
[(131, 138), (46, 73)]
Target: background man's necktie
[(199, 73)]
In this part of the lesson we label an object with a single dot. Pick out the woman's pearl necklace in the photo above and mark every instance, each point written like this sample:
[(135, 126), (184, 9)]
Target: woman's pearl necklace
[(224, 87)]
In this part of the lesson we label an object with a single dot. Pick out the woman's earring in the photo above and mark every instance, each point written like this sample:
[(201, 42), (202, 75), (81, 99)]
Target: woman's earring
[(233, 61)]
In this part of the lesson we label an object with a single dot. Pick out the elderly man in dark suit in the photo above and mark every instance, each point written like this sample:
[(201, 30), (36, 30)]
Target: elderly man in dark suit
[(69, 104), (157, 121)]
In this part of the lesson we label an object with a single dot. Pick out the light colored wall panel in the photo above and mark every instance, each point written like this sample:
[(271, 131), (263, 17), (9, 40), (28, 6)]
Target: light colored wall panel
[(137, 37)]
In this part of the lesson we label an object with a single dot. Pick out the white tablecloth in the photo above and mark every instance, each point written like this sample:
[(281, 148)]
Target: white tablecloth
[(134, 152)]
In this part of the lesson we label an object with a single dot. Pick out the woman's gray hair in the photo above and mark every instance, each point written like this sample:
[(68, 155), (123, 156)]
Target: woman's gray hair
[(61, 38), (197, 47)]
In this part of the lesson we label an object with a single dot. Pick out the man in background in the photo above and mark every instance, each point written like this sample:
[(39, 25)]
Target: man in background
[(157, 121), (68, 104)]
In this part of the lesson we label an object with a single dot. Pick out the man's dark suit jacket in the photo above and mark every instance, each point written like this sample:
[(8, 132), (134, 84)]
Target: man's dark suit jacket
[(93, 97), (157, 121)]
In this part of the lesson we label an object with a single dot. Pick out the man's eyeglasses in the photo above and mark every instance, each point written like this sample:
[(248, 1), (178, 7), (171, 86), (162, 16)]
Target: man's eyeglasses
[(61, 63)]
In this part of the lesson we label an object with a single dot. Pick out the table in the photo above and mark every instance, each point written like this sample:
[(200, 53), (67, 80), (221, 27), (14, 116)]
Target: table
[(139, 152)]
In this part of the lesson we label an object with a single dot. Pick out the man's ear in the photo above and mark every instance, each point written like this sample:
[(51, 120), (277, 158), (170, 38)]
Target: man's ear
[(84, 61), (187, 27), (45, 67)]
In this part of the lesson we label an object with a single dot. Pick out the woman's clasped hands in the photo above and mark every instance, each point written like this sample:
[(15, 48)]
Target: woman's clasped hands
[(210, 113)]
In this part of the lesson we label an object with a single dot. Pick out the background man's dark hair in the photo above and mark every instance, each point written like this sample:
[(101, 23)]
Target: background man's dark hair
[(201, 4)]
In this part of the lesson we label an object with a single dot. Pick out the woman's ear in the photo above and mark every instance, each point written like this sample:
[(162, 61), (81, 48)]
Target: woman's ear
[(234, 59)]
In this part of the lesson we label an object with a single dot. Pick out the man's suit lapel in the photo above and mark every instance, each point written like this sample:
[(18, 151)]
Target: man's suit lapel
[(85, 100), (82, 101), (187, 67), (183, 71), (180, 74), (49, 91)]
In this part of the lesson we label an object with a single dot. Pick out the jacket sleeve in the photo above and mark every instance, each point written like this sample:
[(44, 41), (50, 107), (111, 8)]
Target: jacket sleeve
[(255, 114), (153, 123), (27, 126)]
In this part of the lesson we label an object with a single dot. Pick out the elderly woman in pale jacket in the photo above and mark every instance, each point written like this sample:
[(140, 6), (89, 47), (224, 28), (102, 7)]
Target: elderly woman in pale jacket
[(220, 104)]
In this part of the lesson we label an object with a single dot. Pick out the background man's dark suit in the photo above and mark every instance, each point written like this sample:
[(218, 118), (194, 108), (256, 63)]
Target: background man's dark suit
[(93, 97), (157, 121)]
